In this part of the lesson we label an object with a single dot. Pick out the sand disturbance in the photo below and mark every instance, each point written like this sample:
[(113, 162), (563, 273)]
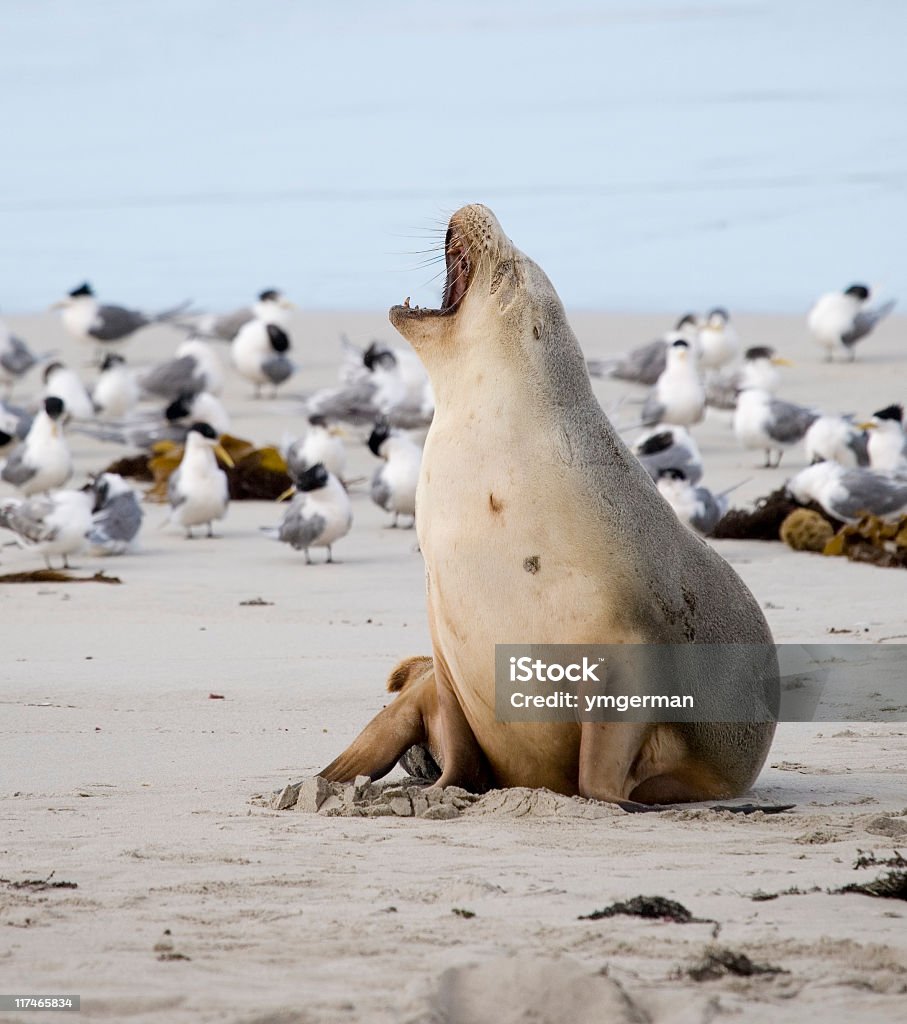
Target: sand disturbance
[(414, 798), (508, 990)]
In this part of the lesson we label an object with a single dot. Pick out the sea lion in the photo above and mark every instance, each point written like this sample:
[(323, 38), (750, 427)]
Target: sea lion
[(538, 526)]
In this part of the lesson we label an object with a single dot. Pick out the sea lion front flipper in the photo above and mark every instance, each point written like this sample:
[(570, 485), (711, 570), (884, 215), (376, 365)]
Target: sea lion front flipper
[(464, 763), (404, 723)]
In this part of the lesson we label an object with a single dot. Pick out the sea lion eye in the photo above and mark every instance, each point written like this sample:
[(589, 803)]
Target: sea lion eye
[(503, 269)]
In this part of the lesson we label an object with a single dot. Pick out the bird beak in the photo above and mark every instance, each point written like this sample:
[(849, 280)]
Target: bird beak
[(780, 361), (868, 425), (337, 431), (286, 304), (288, 493), (224, 456), (59, 304)]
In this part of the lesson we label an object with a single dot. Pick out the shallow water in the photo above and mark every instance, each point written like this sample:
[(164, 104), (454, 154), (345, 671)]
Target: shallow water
[(651, 155)]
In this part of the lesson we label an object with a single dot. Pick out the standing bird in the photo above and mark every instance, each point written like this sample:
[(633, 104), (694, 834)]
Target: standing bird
[(718, 341), (644, 365), (839, 320), (697, 507), (16, 358), (116, 515), (56, 523), (194, 367), (116, 390), (849, 494), (43, 460), (260, 354), (322, 443), (758, 370), (65, 384), (318, 516), (87, 320), (394, 483), (762, 421), (198, 491), (271, 307), (678, 396), (887, 445)]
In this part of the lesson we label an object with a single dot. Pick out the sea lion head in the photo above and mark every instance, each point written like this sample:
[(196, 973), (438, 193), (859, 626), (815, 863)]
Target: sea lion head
[(498, 305)]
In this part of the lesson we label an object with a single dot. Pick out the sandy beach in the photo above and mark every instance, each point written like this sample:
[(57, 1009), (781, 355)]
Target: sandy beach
[(121, 774)]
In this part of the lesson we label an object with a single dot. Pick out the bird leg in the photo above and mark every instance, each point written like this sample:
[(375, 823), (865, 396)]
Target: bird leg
[(330, 557), (308, 557), (210, 529)]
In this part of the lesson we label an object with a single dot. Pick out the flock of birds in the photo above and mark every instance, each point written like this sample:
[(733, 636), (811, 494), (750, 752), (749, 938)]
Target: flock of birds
[(855, 466), (179, 400)]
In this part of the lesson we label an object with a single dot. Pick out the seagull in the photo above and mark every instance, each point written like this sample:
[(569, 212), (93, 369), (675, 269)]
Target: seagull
[(839, 320), (16, 358), (697, 507), (116, 390), (887, 446), (65, 384), (194, 367), (718, 341), (763, 421), (116, 516), (377, 383), (87, 320), (758, 370), (55, 523), (43, 460), (666, 447), (321, 444), (318, 516), (849, 494), (646, 364), (260, 354), (271, 307), (197, 490), (837, 439), (394, 483), (678, 396)]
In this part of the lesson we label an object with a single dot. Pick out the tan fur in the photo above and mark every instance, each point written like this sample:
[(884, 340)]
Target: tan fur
[(538, 526)]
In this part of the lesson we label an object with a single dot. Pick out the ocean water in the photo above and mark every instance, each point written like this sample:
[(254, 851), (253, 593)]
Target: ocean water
[(649, 154)]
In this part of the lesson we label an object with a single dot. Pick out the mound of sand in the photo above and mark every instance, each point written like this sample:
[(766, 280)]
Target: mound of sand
[(413, 798)]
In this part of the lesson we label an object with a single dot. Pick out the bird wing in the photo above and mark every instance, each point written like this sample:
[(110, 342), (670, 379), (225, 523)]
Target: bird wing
[(298, 529), (173, 378), (787, 422), (226, 327), (115, 322), (27, 518), (652, 410), (868, 492), (381, 492), (865, 321), (278, 369), (17, 358), (17, 471), (643, 365), (119, 520)]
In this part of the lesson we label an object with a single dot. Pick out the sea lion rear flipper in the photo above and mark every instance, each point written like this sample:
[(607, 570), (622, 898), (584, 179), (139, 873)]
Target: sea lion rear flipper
[(391, 733)]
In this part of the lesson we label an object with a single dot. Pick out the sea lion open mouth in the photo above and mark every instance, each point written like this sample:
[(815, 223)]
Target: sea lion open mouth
[(458, 257)]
